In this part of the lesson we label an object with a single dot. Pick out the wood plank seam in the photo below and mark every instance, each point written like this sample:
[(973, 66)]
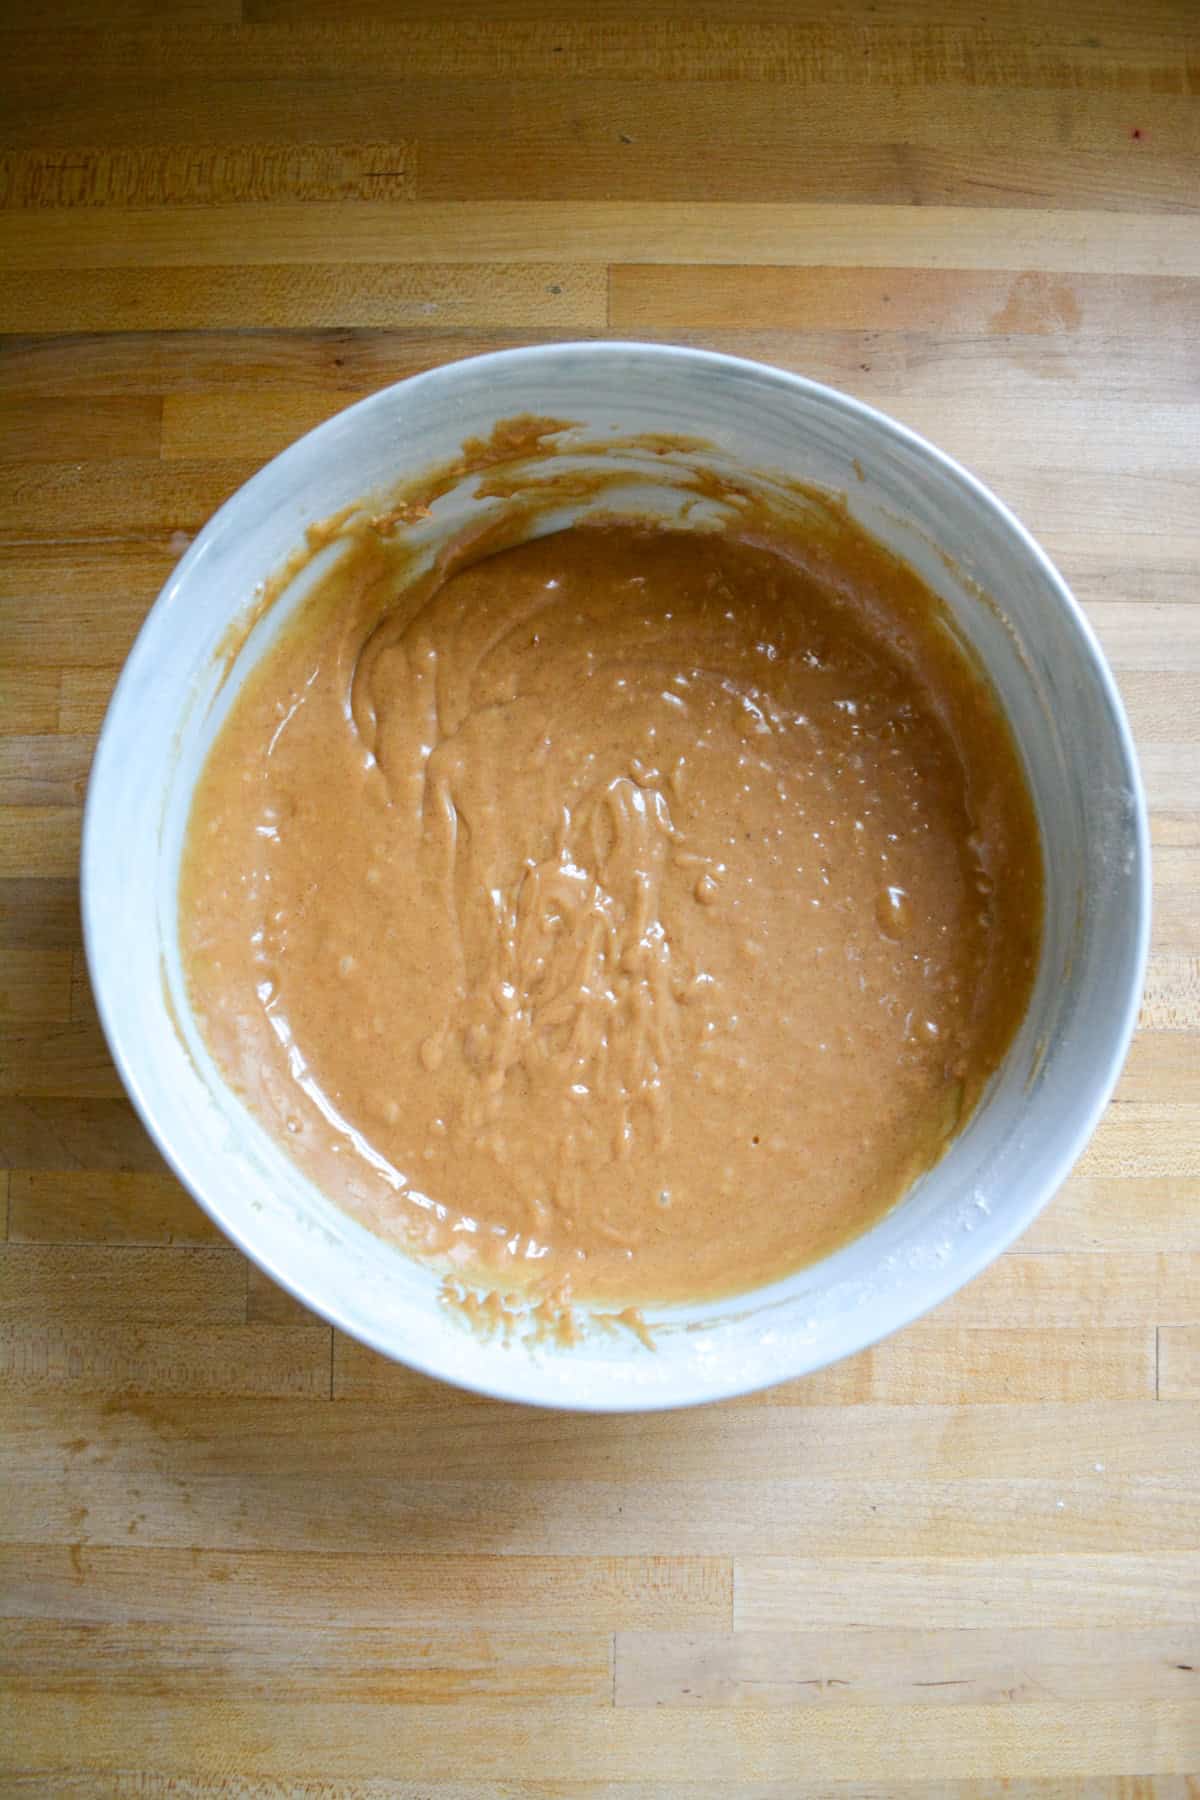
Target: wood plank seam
[(1158, 1362)]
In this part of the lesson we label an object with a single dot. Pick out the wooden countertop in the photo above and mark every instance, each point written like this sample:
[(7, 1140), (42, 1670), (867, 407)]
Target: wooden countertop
[(239, 1555)]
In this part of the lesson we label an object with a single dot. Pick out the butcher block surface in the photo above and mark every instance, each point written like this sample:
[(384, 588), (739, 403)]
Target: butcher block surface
[(239, 1554)]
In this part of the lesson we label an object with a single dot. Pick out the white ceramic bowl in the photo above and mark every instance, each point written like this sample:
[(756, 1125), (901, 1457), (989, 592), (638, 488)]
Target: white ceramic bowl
[(1012, 607)]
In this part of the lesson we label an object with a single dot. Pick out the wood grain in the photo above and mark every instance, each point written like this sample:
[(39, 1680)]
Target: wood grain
[(547, 293), (764, 1442), (241, 1554), (905, 1665), (1097, 1590), (77, 1206), (1106, 1212), (36, 984), (29, 698), (565, 1743), (586, 1593), (952, 301), (150, 1785), (49, 769), (138, 1359), (38, 840), (811, 1519), (904, 48), (99, 1285), (74, 1134), (45, 430), (285, 1663), (200, 174), (1179, 1362), (801, 234)]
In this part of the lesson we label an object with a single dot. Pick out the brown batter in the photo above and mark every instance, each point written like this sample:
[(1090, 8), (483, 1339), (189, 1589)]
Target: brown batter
[(636, 908)]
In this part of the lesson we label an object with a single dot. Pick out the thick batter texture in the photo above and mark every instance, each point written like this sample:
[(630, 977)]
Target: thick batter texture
[(636, 910)]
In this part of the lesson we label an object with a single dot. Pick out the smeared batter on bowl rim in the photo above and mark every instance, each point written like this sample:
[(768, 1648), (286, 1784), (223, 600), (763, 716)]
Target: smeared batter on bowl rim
[(629, 914)]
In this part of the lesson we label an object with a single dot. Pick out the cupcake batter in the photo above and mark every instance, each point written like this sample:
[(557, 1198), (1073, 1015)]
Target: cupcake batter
[(634, 909)]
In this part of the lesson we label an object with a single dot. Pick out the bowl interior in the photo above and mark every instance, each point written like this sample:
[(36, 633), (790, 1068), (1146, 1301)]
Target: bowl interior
[(1011, 608)]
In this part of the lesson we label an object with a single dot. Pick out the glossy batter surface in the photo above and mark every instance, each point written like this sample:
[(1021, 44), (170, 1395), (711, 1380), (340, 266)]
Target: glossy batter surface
[(636, 909)]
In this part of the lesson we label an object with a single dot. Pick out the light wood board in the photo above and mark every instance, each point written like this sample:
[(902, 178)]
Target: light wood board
[(239, 1554)]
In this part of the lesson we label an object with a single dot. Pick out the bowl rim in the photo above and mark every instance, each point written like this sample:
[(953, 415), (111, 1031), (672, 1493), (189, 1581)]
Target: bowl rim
[(898, 1310)]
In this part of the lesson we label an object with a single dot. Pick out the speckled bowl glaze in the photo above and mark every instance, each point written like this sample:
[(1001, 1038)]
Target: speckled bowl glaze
[(1009, 604)]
